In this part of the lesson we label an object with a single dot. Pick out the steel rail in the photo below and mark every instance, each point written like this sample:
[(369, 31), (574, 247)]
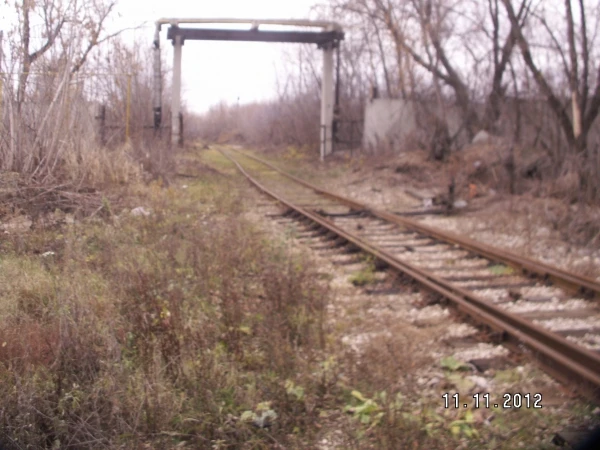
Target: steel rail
[(569, 281), (572, 364)]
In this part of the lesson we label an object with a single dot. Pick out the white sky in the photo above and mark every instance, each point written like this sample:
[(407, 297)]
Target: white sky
[(217, 71)]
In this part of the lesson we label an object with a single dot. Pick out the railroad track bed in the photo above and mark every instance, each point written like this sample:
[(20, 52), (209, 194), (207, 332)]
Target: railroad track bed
[(525, 224), (569, 314), (384, 296), (393, 302), (521, 231)]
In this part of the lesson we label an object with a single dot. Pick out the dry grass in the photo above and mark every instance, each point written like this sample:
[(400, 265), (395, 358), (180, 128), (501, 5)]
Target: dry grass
[(160, 329), (99, 167)]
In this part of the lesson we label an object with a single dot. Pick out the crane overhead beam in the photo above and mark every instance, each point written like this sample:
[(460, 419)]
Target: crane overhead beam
[(326, 25), (209, 34)]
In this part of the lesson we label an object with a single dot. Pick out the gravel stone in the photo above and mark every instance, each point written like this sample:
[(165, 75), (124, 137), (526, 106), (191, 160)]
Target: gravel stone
[(569, 324), (589, 341), (523, 306), (480, 351)]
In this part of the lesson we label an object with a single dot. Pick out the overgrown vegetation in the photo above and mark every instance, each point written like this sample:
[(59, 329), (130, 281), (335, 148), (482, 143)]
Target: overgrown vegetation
[(75, 100), (178, 325), (364, 276), (181, 324), (160, 329)]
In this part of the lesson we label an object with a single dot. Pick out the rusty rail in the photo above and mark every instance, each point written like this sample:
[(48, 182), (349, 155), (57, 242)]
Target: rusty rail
[(570, 281), (572, 364)]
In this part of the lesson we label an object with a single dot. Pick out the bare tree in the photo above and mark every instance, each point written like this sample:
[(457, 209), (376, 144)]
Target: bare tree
[(87, 20), (53, 23), (501, 54), (450, 41), (581, 70), (578, 68), (51, 42)]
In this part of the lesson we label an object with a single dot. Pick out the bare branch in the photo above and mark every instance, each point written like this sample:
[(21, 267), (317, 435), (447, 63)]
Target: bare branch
[(539, 78), (585, 55)]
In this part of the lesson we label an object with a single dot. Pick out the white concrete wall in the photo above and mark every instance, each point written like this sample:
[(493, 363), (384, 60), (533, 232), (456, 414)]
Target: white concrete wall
[(390, 122), (387, 123)]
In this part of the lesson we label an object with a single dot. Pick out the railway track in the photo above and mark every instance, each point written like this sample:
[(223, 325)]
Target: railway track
[(532, 308)]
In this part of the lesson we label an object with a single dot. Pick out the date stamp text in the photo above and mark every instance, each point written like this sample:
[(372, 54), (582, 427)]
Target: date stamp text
[(486, 400)]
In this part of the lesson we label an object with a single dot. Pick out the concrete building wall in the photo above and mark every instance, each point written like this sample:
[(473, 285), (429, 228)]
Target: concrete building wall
[(388, 122), (397, 124), (392, 123)]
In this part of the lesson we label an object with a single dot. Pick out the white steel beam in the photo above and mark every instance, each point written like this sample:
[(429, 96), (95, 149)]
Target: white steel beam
[(332, 26)]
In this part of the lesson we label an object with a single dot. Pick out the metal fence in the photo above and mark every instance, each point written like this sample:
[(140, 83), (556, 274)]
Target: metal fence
[(347, 135)]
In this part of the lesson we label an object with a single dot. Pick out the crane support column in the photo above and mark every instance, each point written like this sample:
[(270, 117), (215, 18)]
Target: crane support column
[(176, 136), (157, 88), (327, 101)]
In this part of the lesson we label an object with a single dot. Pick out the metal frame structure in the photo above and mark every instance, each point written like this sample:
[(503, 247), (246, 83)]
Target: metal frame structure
[(327, 39)]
